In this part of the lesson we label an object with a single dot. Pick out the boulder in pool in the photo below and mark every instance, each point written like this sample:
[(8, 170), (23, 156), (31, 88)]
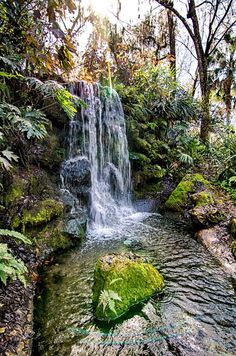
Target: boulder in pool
[(121, 281)]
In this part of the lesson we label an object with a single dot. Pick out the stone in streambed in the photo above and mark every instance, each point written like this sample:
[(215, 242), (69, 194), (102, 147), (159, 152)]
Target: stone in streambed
[(121, 281)]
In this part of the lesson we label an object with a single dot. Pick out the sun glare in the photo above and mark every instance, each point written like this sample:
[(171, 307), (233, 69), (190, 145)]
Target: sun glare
[(103, 7)]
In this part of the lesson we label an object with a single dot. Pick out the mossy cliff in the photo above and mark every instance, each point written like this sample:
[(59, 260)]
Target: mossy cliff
[(127, 278), (197, 200)]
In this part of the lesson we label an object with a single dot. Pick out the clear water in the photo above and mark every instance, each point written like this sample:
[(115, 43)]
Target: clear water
[(196, 315)]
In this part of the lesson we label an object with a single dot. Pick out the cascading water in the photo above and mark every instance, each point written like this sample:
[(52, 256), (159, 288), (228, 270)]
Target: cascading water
[(98, 169)]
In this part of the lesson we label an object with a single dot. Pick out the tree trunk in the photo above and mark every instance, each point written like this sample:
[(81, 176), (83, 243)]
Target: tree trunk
[(203, 73), (172, 42)]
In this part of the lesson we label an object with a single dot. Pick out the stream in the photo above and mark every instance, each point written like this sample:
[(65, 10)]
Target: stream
[(195, 315)]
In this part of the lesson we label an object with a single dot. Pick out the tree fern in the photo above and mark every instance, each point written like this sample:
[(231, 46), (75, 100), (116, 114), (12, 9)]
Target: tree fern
[(16, 235)]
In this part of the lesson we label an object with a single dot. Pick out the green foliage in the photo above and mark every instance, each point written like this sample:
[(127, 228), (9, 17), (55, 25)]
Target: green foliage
[(221, 154), (160, 118), (6, 158), (26, 119), (107, 299), (20, 238), (52, 89), (10, 267)]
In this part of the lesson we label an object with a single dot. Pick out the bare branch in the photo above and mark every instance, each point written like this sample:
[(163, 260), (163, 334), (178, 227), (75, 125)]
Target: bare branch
[(222, 36), (211, 38), (187, 47), (204, 2)]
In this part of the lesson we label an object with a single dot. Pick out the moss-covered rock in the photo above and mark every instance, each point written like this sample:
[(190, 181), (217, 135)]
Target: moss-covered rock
[(52, 237), (17, 191), (207, 214), (233, 248), (121, 281), (232, 227), (203, 198), (198, 201), (40, 213), (153, 172), (52, 154), (179, 198)]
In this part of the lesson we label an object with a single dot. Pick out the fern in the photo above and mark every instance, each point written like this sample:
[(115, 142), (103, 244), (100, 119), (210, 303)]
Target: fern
[(6, 158), (26, 119), (54, 90), (10, 267), (33, 122), (16, 235), (107, 299), (185, 158)]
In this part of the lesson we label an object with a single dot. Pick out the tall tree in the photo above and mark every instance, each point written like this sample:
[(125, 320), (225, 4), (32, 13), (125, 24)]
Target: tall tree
[(217, 14)]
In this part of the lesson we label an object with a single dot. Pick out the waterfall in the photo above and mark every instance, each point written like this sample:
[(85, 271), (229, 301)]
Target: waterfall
[(97, 171)]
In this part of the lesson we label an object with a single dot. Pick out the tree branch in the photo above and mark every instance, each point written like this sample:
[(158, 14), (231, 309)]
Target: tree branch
[(184, 44), (169, 5), (211, 39), (220, 39)]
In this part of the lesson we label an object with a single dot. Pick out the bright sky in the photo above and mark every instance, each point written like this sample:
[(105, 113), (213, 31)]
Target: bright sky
[(129, 8)]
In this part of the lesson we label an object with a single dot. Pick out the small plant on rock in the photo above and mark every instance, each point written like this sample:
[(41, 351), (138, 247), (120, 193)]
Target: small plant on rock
[(107, 299)]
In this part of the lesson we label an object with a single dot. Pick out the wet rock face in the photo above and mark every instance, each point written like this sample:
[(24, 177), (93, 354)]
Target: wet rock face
[(121, 281), (76, 173)]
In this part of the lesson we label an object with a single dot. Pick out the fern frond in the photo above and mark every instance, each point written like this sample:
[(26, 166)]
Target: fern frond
[(16, 235), (10, 267)]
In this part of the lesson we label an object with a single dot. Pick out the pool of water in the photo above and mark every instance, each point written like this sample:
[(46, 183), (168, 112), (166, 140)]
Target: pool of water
[(196, 315)]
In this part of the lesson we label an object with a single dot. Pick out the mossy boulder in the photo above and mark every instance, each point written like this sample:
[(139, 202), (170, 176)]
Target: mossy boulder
[(121, 281), (180, 197), (51, 237), (41, 213), (31, 183), (232, 227), (233, 248), (198, 201)]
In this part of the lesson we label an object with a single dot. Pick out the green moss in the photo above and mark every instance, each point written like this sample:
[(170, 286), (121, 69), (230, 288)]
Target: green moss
[(53, 237), (153, 172), (179, 197), (232, 227), (142, 145), (16, 192), (140, 157), (203, 198), (233, 247), (127, 275), (52, 152), (41, 213)]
